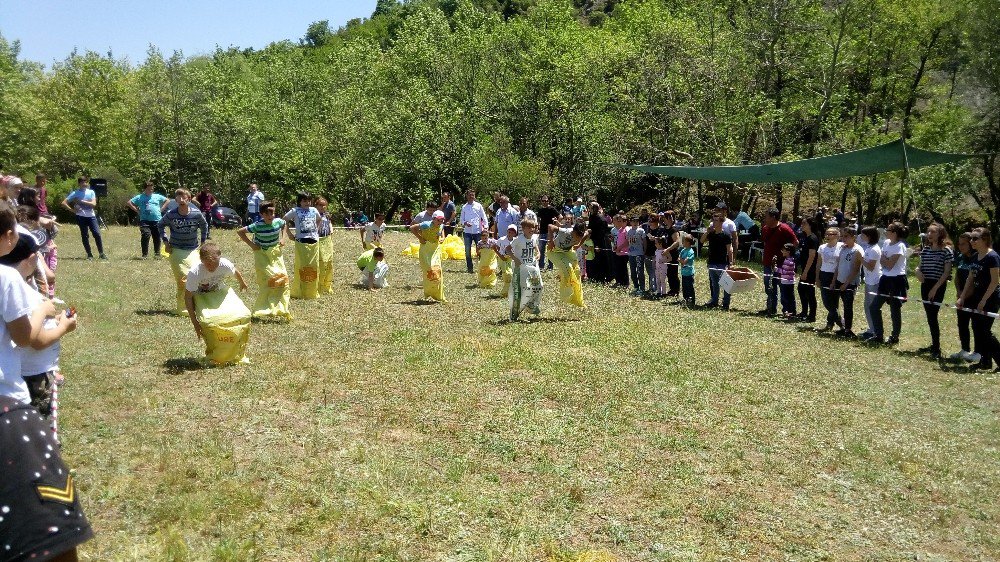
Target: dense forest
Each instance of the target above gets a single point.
(533, 96)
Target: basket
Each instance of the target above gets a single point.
(738, 280)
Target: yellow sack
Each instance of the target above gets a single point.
(430, 265)
(413, 250)
(272, 285)
(567, 267)
(453, 248)
(225, 325)
(305, 283)
(487, 268)
(504, 273)
(325, 280)
(181, 262)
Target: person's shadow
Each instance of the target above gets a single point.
(180, 365)
(155, 312)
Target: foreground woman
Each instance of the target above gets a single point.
(216, 311)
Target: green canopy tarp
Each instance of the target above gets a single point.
(889, 157)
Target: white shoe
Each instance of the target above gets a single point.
(959, 355)
(973, 357)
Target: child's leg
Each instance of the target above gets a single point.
(51, 260)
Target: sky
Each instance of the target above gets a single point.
(50, 29)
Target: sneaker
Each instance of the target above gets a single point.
(973, 357)
(849, 335)
(865, 335)
(982, 366)
(959, 355)
(892, 340)
(104, 257)
(90, 258)
(826, 328)
(935, 354)
(874, 340)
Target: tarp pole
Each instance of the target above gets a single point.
(906, 169)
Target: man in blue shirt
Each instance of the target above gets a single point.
(507, 215)
(150, 206)
(254, 199)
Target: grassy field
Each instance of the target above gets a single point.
(377, 427)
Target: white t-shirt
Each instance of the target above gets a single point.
(380, 274)
(305, 221)
(502, 245)
(38, 361)
(897, 249)
(14, 302)
(728, 226)
(201, 280)
(828, 257)
(872, 253)
(373, 232)
(526, 249)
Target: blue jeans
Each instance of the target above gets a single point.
(687, 288)
(253, 217)
(88, 225)
(542, 243)
(715, 271)
(650, 263)
(638, 270)
(771, 282)
(469, 239)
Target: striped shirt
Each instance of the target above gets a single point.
(184, 228)
(932, 262)
(266, 235)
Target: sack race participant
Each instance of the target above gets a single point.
(505, 269)
(216, 311)
(273, 292)
(371, 233)
(564, 240)
(374, 270)
(325, 247)
(430, 234)
(305, 218)
(188, 229)
(526, 282)
(487, 272)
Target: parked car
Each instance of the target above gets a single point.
(225, 217)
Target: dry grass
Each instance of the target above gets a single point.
(372, 428)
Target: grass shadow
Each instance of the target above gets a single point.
(180, 365)
(420, 302)
(156, 312)
(269, 320)
(532, 320)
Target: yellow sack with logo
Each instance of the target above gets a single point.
(273, 292)
(305, 282)
(181, 262)
(567, 267)
(325, 281)
(504, 274)
(225, 325)
(487, 268)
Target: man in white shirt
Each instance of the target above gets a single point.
(729, 227)
(474, 223)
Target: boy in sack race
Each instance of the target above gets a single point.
(217, 313)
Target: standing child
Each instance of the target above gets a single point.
(662, 261)
(324, 246)
(487, 272)
(216, 311)
(305, 218)
(188, 229)
(273, 293)
(636, 236)
(872, 272)
(846, 279)
(786, 271)
(563, 241)
(686, 258)
(526, 283)
(430, 233)
(504, 261)
(375, 275)
(371, 234)
(829, 253)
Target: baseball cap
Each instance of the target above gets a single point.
(512, 227)
(438, 215)
(27, 244)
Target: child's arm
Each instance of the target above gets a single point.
(415, 230)
(161, 231)
(362, 233)
(203, 225)
(66, 203)
(551, 243)
(24, 330)
(88, 202)
(189, 304)
(48, 337)
(239, 277)
(242, 232)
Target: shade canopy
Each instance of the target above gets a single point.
(889, 157)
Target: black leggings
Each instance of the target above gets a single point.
(932, 310)
(987, 345)
(847, 297)
(831, 300)
(964, 320)
(807, 295)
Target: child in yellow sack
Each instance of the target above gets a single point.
(217, 313)
(324, 247)
(273, 292)
(375, 273)
(487, 262)
(305, 218)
